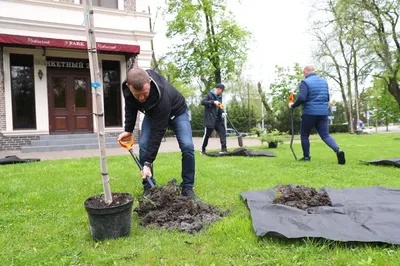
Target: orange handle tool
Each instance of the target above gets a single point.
(127, 143)
(291, 97)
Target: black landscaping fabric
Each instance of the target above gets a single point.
(359, 214)
(387, 162)
(242, 152)
(14, 159)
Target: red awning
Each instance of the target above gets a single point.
(49, 42)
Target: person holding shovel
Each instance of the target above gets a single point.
(163, 105)
(314, 96)
(213, 114)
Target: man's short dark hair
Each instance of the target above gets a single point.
(220, 86)
(137, 77)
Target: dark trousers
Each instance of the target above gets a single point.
(183, 131)
(220, 128)
(321, 124)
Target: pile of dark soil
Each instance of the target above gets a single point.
(301, 197)
(165, 208)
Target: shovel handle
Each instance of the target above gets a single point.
(126, 142)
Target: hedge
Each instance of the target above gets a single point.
(335, 128)
(195, 133)
(338, 128)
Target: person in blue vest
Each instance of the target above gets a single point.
(213, 117)
(314, 96)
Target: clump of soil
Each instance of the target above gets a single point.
(301, 197)
(98, 201)
(166, 208)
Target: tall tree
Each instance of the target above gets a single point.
(213, 47)
(379, 22)
(340, 48)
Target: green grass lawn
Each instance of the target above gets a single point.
(43, 221)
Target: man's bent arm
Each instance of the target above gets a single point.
(302, 95)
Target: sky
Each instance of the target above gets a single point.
(279, 34)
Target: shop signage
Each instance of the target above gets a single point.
(55, 62)
(72, 44)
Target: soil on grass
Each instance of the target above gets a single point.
(165, 208)
(242, 152)
(301, 197)
(98, 202)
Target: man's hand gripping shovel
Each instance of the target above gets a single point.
(127, 143)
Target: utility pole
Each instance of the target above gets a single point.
(96, 94)
(248, 96)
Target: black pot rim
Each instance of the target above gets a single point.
(109, 210)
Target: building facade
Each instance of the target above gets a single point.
(44, 67)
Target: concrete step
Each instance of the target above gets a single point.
(69, 136)
(73, 141)
(68, 147)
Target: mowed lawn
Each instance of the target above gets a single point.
(43, 221)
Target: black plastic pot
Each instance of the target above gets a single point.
(110, 222)
(272, 144)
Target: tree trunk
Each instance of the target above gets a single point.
(95, 77)
(350, 98)
(394, 89)
(355, 73)
(153, 54)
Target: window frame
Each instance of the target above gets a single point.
(120, 4)
(118, 84)
(13, 101)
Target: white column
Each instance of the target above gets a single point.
(7, 90)
(41, 94)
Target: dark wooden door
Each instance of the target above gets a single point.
(70, 102)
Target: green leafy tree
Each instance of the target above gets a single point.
(239, 116)
(212, 47)
(174, 76)
(197, 115)
(384, 107)
(287, 80)
(340, 114)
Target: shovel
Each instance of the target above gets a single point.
(127, 143)
(240, 139)
(291, 100)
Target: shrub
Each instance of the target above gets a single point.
(273, 136)
(256, 131)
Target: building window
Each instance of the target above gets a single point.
(23, 91)
(112, 93)
(105, 3)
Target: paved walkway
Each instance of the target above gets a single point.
(170, 145)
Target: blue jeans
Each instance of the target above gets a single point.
(321, 124)
(183, 132)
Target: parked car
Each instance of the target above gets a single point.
(232, 132)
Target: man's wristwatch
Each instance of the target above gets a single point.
(147, 164)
